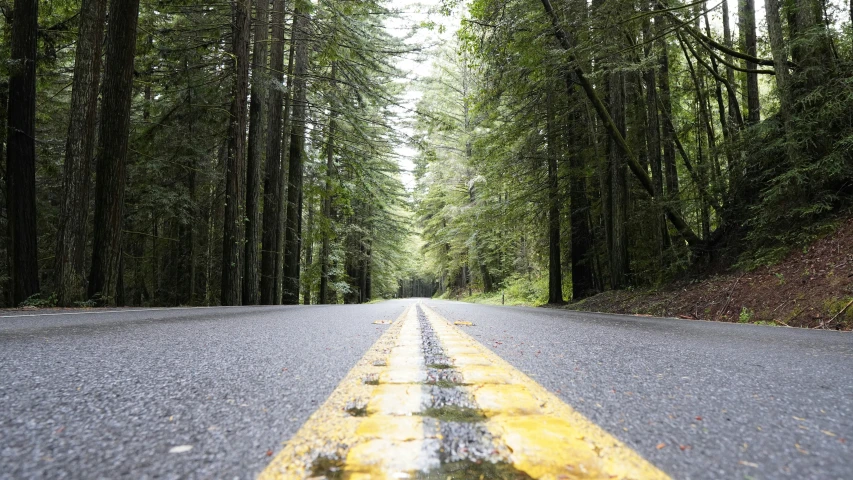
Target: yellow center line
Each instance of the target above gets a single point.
(372, 425)
(547, 438)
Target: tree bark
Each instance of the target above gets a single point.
(653, 137)
(5, 243)
(309, 251)
(746, 17)
(735, 117)
(583, 275)
(555, 276)
(251, 276)
(290, 294)
(325, 249)
(272, 176)
(113, 140)
(668, 135)
(780, 56)
(69, 268)
(618, 187)
(287, 127)
(21, 152)
(235, 169)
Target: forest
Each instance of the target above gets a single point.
(176, 152)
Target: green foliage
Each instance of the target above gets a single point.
(802, 176)
(39, 301)
(745, 315)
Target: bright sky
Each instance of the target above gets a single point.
(416, 13)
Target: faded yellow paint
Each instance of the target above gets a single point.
(476, 374)
(503, 399)
(330, 430)
(395, 400)
(403, 375)
(547, 438)
(532, 429)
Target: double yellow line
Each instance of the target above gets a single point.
(372, 425)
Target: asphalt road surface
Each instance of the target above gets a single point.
(111, 394)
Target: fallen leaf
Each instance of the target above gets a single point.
(827, 432)
(684, 447)
(660, 445)
(269, 453)
(463, 323)
(699, 419)
(801, 449)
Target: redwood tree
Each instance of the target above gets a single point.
(292, 233)
(21, 152)
(111, 168)
(235, 168)
(69, 270)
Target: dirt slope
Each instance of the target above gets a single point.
(807, 289)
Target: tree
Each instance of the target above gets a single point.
(257, 106)
(111, 167)
(746, 14)
(273, 191)
(293, 230)
(69, 266)
(235, 174)
(21, 152)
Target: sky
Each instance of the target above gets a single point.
(416, 65)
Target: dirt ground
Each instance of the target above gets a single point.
(810, 288)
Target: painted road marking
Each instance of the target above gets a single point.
(547, 438)
(419, 397)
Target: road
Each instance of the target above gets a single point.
(111, 394)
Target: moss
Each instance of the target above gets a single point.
(328, 468)
(440, 366)
(453, 413)
(444, 383)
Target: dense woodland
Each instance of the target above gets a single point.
(569, 147)
(176, 152)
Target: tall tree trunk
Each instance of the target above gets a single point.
(325, 249)
(186, 229)
(272, 177)
(309, 251)
(5, 260)
(21, 152)
(300, 35)
(653, 139)
(746, 16)
(287, 127)
(735, 117)
(69, 268)
(255, 155)
(555, 274)
(235, 169)
(779, 50)
(583, 278)
(618, 187)
(668, 132)
(367, 283)
(113, 139)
